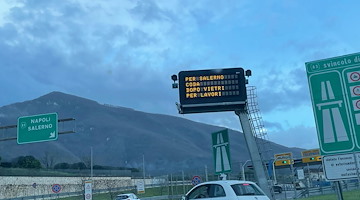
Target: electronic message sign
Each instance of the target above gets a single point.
(212, 90)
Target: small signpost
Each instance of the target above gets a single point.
(300, 174)
(88, 190)
(140, 187)
(221, 152)
(37, 128)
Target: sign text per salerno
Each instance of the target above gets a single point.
(212, 88)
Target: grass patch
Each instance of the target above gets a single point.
(348, 195)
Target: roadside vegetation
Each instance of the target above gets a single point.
(348, 195)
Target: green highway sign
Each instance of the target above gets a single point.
(221, 152)
(335, 92)
(37, 128)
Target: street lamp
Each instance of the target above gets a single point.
(243, 169)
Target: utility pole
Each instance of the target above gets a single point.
(143, 158)
(206, 173)
(91, 163)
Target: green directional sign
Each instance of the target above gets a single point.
(37, 128)
(335, 92)
(221, 152)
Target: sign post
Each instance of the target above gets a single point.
(140, 186)
(221, 152)
(88, 190)
(37, 128)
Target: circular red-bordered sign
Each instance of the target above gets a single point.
(356, 90)
(56, 188)
(357, 104)
(355, 76)
(196, 180)
(88, 196)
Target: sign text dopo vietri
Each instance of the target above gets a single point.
(212, 90)
(335, 92)
(37, 128)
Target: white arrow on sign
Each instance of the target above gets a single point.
(52, 134)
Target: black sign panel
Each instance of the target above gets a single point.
(212, 90)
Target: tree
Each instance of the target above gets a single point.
(48, 160)
(78, 165)
(6, 164)
(28, 162)
(62, 166)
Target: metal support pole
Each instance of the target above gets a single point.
(172, 188)
(293, 177)
(339, 190)
(274, 173)
(254, 152)
(183, 182)
(206, 173)
(143, 158)
(357, 167)
(91, 163)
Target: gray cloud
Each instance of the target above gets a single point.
(279, 90)
(296, 136)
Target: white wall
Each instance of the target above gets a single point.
(17, 186)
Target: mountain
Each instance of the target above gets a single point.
(119, 136)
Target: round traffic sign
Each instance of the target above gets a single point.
(357, 104)
(88, 196)
(196, 180)
(356, 90)
(355, 76)
(56, 188)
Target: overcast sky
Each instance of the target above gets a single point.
(124, 52)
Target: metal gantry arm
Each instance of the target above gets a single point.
(15, 126)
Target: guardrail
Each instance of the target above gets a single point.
(326, 190)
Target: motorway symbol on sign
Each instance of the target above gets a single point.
(221, 152)
(335, 91)
(37, 128)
